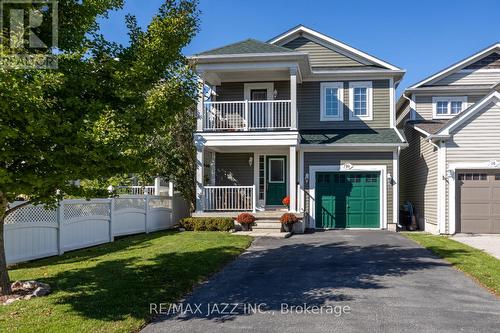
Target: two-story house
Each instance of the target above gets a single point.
(451, 169)
(302, 115)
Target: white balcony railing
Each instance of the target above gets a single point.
(229, 198)
(246, 115)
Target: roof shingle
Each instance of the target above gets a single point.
(354, 136)
(247, 46)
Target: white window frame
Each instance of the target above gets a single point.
(340, 95)
(369, 103)
(447, 99)
(248, 87)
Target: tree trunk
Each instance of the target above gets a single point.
(4, 274)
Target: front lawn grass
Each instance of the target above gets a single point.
(481, 266)
(109, 288)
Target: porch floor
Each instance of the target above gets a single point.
(258, 214)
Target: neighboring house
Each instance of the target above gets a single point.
(302, 115)
(451, 169)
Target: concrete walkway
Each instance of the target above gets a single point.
(335, 281)
(488, 243)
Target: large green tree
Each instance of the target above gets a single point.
(97, 115)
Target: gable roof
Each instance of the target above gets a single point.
(459, 65)
(302, 30)
(247, 46)
(494, 96)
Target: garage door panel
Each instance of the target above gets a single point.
(372, 206)
(351, 200)
(478, 202)
(476, 209)
(475, 194)
(496, 226)
(371, 219)
(476, 226)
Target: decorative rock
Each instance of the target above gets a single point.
(16, 285)
(41, 292)
(10, 301)
(30, 285)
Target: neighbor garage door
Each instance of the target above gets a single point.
(347, 200)
(478, 202)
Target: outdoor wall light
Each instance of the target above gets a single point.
(275, 93)
(450, 174)
(250, 161)
(389, 179)
(306, 177)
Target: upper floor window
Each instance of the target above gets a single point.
(448, 107)
(332, 101)
(360, 101)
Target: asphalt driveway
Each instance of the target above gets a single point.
(348, 281)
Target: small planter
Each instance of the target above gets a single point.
(288, 220)
(288, 227)
(245, 220)
(246, 227)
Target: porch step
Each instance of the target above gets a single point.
(267, 224)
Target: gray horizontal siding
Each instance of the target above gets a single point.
(424, 108)
(235, 91)
(308, 106)
(233, 169)
(363, 158)
(321, 56)
(418, 174)
(478, 139)
(469, 78)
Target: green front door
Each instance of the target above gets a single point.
(275, 180)
(347, 200)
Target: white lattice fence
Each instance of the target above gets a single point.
(33, 232)
(129, 215)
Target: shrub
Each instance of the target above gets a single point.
(288, 218)
(207, 223)
(286, 201)
(245, 218)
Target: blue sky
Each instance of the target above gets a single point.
(422, 37)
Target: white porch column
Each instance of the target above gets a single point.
(170, 188)
(293, 178)
(199, 178)
(293, 97)
(199, 108)
(157, 185)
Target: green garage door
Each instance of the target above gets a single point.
(347, 200)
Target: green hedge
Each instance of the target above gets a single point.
(207, 223)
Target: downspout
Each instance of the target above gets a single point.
(412, 105)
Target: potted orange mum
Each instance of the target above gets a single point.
(288, 220)
(246, 220)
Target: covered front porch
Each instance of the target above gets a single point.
(253, 179)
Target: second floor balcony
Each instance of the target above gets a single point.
(247, 115)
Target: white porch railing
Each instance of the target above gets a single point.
(247, 115)
(229, 198)
(134, 190)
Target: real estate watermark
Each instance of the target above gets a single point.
(234, 309)
(28, 33)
